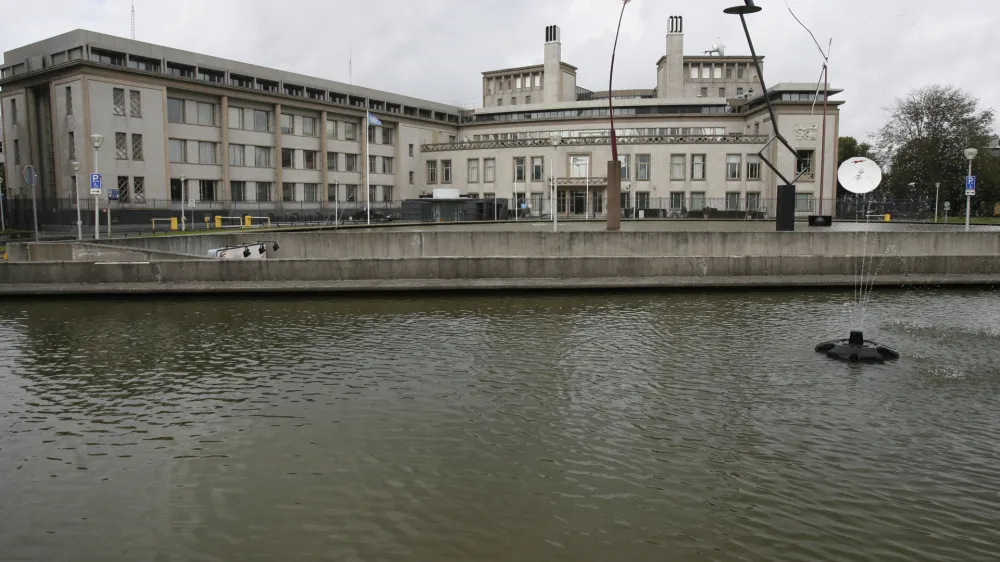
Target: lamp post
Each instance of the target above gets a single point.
(614, 189)
(183, 220)
(970, 154)
(96, 140)
(937, 196)
(555, 138)
(76, 184)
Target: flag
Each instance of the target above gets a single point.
(372, 120)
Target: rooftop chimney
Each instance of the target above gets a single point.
(552, 78)
(670, 72)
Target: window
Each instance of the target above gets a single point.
(17, 152)
(287, 158)
(642, 167)
(733, 165)
(739, 73)
(489, 169)
(263, 191)
(704, 92)
(717, 72)
(676, 200)
(500, 101)
(206, 153)
(236, 118)
(139, 189)
(694, 72)
(372, 192)
(387, 193)
(181, 70)
(411, 174)
(72, 146)
(803, 202)
(178, 150)
(432, 171)
(136, 147)
(641, 199)
(537, 168)
(121, 146)
(175, 110)
(371, 134)
(206, 114)
(176, 189)
(753, 167)
(351, 131)
(517, 83)
(697, 200)
(310, 192)
(677, 167)
(237, 155)
(579, 166)
(331, 129)
(411, 151)
(261, 121)
(803, 164)
(288, 191)
(729, 73)
(206, 190)
(310, 159)
(518, 169)
(211, 75)
(538, 80)
(446, 171)
(739, 92)
(732, 200)
(513, 100)
(697, 168)
(332, 161)
(387, 163)
(722, 92)
(624, 161)
(287, 124)
(309, 127)
(753, 201)
(527, 99)
(13, 112)
(118, 99)
(262, 156)
(332, 192)
(351, 163)
(473, 171)
(387, 136)
(372, 161)
(352, 193)
(69, 100)
(123, 189)
(238, 191)
(135, 103)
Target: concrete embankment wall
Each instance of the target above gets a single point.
(396, 244)
(86, 251)
(497, 268)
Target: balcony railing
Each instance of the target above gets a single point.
(582, 182)
(597, 140)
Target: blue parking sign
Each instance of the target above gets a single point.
(970, 185)
(95, 184)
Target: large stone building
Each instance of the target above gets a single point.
(243, 136)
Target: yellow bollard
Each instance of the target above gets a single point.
(887, 217)
(247, 221)
(218, 221)
(173, 223)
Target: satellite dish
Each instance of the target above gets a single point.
(859, 175)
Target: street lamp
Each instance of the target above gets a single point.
(937, 196)
(183, 223)
(97, 140)
(970, 154)
(76, 184)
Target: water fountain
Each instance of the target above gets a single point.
(859, 176)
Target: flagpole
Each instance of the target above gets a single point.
(368, 190)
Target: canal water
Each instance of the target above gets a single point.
(584, 427)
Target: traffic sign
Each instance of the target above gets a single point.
(30, 175)
(95, 184)
(191, 203)
(970, 185)
(113, 194)
(947, 205)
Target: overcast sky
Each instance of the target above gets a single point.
(437, 49)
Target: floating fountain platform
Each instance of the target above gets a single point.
(856, 349)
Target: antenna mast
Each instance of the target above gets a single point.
(133, 19)
(350, 65)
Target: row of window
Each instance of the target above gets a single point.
(737, 168)
(241, 191)
(587, 133)
(255, 156)
(514, 83)
(118, 102)
(707, 72)
(603, 112)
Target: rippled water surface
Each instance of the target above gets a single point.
(586, 427)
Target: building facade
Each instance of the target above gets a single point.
(181, 126)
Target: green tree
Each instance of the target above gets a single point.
(924, 141)
(847, 148)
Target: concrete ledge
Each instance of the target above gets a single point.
(438, 285)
